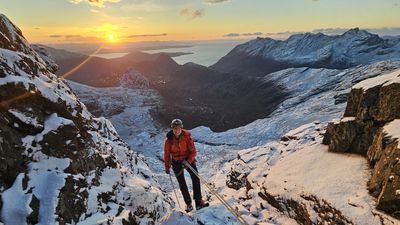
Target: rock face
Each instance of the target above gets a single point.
(384, 157)
(369, 127)
(59, 164)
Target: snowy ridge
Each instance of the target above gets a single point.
(384, 80)
(62, 165)
(340, 51)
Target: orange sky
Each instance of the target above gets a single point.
(117, 21)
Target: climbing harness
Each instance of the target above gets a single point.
(233, 211)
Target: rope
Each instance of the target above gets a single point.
(176, 196)
(233, 211)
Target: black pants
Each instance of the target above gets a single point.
(178, 168)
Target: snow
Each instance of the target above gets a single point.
(393, 130)
(10, 27)
(347, 119)
(46, 84)
(338, 178)
(15, 203)
(45, 179)
(177, 218)
(386, 79)
(52, 123)
(351, 48)
(31, 120)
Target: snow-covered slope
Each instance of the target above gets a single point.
(59, 164)
(296, 180)
(354, 47)
(316, 94)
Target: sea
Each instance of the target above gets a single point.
(204, 53)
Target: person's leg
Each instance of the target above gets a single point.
(195, 182)
(178, 170)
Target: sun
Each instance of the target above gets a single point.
(111, 37)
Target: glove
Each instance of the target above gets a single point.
(167, 171)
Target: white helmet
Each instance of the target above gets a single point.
(176, 123)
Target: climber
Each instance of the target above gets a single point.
(179, 147)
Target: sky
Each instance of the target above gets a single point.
(91, 21)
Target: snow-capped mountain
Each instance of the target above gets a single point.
(265, 55)
(59, 164)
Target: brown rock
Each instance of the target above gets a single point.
(384, 157)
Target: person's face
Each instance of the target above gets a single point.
(177, 131)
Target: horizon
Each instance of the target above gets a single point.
(118, 22)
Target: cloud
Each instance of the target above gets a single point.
(75, 38)
(212, 2)
(146, 35)
(36, 28)
(232, 35)
(143, 6)
(191, 12)
(72, 36)
(56, 36)
(252, 34)
(243, 34)
(97, 3)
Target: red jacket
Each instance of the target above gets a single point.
(181, 148)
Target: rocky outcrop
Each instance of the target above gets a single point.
(370, 119)
(299, 210)
(58, 162)
(350, 135)
(384, 157)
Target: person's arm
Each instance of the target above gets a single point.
(167, 152)
(192, 149)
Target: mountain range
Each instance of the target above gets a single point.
(262, 56)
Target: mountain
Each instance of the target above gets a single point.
(59, 164)
(265, 55)
(201, 96)
(195, 93)
(101, 72)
